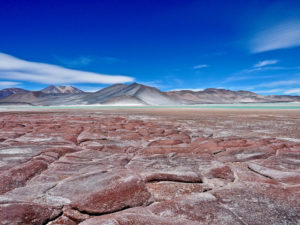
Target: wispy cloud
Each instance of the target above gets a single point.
(261, 66)
(90, 88)
(79, 61)
(270, 91)
(284, 35)
(155, 83)
(85, 60)
(280, 83)
(21, 70)
(238, 77)
(109, 60)
(7, 84)
(187, 89)
(293, 91)
(200, 66)
(265, 63)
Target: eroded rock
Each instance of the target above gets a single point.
(90, 168)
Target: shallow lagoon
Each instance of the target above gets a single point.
(293, 105)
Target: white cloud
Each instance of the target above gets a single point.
(284, 35)
(21, 70)
(265, 63)
(200, 66)
(8, 84)
(293, 91)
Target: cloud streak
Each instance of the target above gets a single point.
(200, 66)
(21, 70)
(6, 84)
(265, 63)
(293, 91)
(188, 89)
(284, 35)
(280, 83)
(80, 61)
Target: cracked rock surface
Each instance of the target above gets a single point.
(94, 168)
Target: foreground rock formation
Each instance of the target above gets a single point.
(89, 168)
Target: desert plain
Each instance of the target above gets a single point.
(150, 166)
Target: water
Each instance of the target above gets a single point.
(275, 106)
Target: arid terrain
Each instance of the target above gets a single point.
(150, 167)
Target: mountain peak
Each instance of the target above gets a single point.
(52, 89)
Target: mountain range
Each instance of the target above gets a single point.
(132, 94)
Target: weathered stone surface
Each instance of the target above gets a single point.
(99, 168)
(261, 204)
(102, 192)
(168, 190)
(202, 208)
(137, 215)
(19, 175)
(26, 213)
(63, 220)
(287, 177)
(163, 168)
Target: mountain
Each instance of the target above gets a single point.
(10, 91)
(214, 95)
(44, 99)
(145, 94)
(284, 98)
(61, 90)
(138, 94)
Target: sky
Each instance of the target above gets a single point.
(172, 45)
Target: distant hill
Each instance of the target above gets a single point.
(136, 94)
(61, 90)
(10, 91)
(213, 95)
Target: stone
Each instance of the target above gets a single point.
(26, 213)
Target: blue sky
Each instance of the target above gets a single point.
(188, 44)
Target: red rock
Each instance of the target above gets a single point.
(166, 168)
(130, 218)
(26, 213)
(287, 177)
(204, 145)
(229, 143)
(81, 162)
(245, 154)
(261, 203)
(62, 220)
(74, 215)
(165, 150)
(202, 208)
(167, 190)
(139, 216)
(243, 174)
(54, 172)
(165, 142)
(223, 172)
(19, 175)
(92, 134)
(103, 192)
